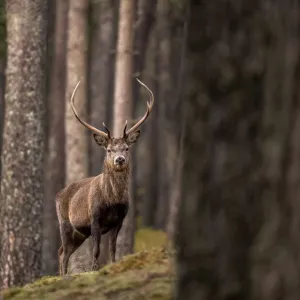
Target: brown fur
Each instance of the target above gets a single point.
(95, 205)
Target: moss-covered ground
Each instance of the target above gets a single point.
(147, 274)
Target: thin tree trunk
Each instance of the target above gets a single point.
(22, 157)
(101, 79)
(123, 109)
(143, 26)
(101, 73)
(166, 134)
(55, 163)
(76, 147)
(175, 192)
(151, 161)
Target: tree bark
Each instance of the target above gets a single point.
(76, 147)
(2, 105)
(101, 73)
(151, 153)
(23, 143)
(123, 109)
(175, 192)
(101, 84)
(166, 133)
(55, 162)
(143, 26)
(241, 153)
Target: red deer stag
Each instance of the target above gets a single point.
(97, 205)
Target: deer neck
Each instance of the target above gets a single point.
(114, 183)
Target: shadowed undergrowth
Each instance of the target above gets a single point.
(147, 274)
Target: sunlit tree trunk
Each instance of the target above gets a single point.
(76, 147)
(55, 162)
(123, 108)
(23, 142)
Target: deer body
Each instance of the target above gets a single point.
(97, 205)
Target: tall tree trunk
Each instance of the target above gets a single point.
(55, 163)
(123, 108)
(166, 133)
(175, 186)
(241, 154)
(101, 73)
(100, 81)
(2, 105)
(151, 153)
(76, 147)
(23, 143)
(143, 26)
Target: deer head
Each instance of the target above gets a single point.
(117, 149)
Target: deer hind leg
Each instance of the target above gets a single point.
(60, 252)
(113, 235)
(71, 241)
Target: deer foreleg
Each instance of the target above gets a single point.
(96, 239)
(113, 241)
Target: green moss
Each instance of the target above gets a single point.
(147, 238)
(144, 275)
(140, 260)
(147, 274)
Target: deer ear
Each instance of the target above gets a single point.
(101, 140)
(133, 137)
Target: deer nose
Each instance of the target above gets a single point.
(119, 160)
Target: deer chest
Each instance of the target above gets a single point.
(111, 215)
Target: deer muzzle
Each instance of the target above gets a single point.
(119, 160)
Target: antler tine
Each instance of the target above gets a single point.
(149, 108)
(97, 131)
(108, 132)
(124, 131)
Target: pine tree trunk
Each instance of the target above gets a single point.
(166, 133)
(101, 79)
(101, 73)
(2, 105)
(76, 147)
(123, 109)
(55, 162)
(144, 23)
(23, 142)
(175, 185)
(151, 153)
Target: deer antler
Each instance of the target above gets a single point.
(95, 130)
(144, 118)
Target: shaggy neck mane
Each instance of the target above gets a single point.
(114, 183)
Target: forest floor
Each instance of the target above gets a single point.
(146, 274)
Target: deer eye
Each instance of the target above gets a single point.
(108, 150)
(127, 149)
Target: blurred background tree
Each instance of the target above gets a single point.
(239, 221)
